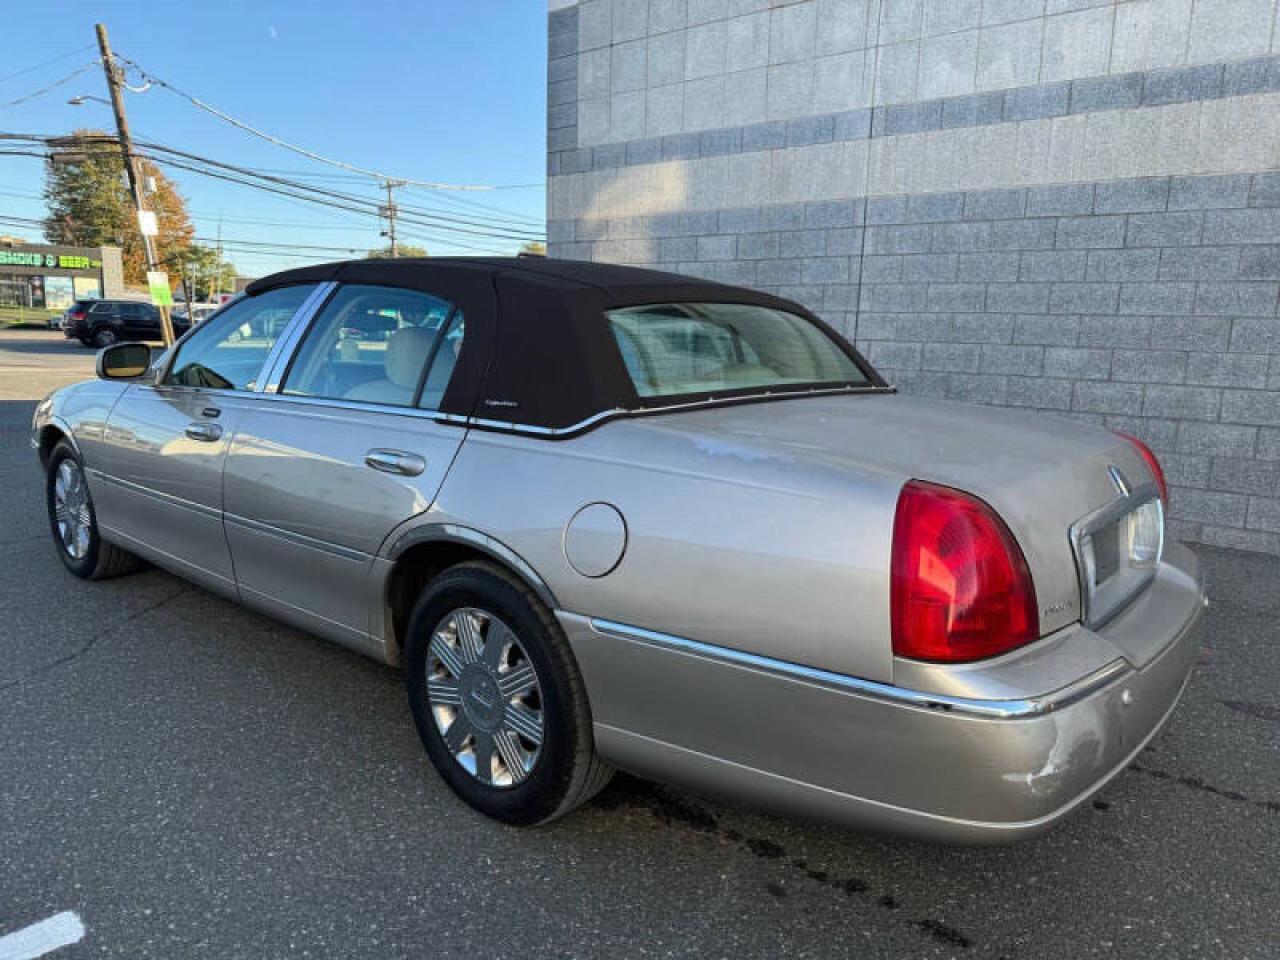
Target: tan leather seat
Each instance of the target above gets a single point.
(407, 350)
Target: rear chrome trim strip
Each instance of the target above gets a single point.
(990, 709)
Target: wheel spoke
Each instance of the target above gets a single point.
(497, 639)
(447, 654)
(456, 736)
(484, 756)
(60, 484)
(517, 681)
(470, 644)
(444, 692)
(523, 721)
(512, 756)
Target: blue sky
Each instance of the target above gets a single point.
(436, 90)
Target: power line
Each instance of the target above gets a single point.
(301, 191)
(303, 151)
(46, 63)
(43, 90)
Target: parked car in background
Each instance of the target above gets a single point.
(198, 313)
(609, 517)
(100, 323)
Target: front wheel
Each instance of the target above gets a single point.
(74, 524)
(497, 698)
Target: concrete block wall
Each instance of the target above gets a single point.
(1066, 206)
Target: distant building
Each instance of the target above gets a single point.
(40, 275)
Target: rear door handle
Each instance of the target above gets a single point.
(208, 432)
(395, 461)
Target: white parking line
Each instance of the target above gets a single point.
(60, 930)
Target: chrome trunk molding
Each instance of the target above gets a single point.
(989, 709)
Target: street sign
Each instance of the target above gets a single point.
(158, 283)
(147, 223)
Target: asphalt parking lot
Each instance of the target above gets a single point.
(192, 779)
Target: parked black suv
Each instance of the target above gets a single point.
(100, 323)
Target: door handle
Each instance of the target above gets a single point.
(208, 432)
(395, 461)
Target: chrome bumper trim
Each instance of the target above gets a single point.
(990, 709)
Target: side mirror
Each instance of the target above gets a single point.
(124, 361)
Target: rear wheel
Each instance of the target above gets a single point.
(74, 524)
(498, 699)
(104, 337)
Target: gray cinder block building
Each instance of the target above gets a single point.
(1070, 206)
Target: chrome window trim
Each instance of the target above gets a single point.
(283, 349)
(1087, 525)
(1021, 708)
(362, 405)
(171, 354)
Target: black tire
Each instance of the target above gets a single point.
(567, 772)
(101, 560)
(104, 337)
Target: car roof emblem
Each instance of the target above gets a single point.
(1122, 485)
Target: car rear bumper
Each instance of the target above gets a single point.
(941, 767)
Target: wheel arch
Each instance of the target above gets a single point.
(422, 553)
(50, 434)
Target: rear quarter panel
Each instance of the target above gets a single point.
(724, 545)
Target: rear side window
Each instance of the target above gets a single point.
(374, 344)
(679, 349)
(228, 352)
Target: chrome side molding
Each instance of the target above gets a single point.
(990, 709)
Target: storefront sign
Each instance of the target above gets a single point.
(21, 258)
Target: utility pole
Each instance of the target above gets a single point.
(389, 211)
(130, 169)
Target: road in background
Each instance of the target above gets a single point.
(192, 779)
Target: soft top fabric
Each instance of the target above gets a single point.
(538, 351)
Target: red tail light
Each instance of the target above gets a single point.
(1153, 464)
(960, 588)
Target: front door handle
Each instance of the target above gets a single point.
(208, 432)
(395, 461)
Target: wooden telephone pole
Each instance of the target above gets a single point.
(130, 168)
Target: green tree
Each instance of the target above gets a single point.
(89, 205)
(201, 266)
(402, 250)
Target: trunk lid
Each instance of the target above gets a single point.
(1041, 474)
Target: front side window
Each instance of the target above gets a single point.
(228, 352)
(676, 349)
(379, 345)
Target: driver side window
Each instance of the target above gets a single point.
(228, 351)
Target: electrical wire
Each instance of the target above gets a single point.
(303, 151)
(43, 90)
(58, 59)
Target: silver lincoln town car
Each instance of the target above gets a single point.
(607, 517)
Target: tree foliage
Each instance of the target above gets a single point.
(402, 250)
(89, 204)
(206, 273)
(534, 248)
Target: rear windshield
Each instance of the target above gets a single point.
(674, 349)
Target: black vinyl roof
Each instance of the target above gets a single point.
(538, 352)
(605, 276)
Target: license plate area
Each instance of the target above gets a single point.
(1117, 551)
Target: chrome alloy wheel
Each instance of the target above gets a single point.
(71, 508)
(484, 697)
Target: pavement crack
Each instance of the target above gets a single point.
(673, 810)
(1195, 783)
(89, 644)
